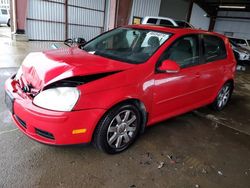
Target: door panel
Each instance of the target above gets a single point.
(174, 93)
(213, 67)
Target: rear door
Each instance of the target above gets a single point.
(214, 59)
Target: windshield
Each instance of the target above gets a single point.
(127, 44)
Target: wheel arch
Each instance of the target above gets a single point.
(137, 103)
(231, 81)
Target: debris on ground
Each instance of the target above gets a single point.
(216, 125)
(204, 171)
(220, 173)
(247, 172)
(131, 158)
(146, 159)
(197, 186)
(172, 159)
(117, 164)
(161, 165)
(132, 186)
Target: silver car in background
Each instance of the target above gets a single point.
(244, 43)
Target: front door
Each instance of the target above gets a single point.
(173, 92)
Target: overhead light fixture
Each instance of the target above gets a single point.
(232, 7)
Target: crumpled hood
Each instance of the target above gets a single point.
(43, 68)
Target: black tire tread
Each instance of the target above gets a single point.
(100, 133)
(214, 105)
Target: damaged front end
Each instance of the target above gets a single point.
(60, 95)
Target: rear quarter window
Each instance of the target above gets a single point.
(152, 21)
(214, 48)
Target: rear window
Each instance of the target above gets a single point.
(166, 23)
(214, 48)
(152, 21)
(4, 11)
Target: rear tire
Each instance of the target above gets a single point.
(223, 97)
(118, 129)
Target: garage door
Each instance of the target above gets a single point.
(61, 19)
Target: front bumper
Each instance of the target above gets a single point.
(52, 127)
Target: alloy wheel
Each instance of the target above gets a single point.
(122, 129)
(224, 96)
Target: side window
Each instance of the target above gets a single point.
(4, 11)
(184, 51)
(166, 23)
(152, 21)
(214, 48)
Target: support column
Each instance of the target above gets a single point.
(212, 21)
(123, 12)
(66, 18)
(190, 8)
(19, 14)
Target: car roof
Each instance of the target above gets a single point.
(173, 29)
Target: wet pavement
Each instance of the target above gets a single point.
(198, 149)
(12, 53)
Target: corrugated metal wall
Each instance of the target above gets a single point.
(46, 19)
(45, 12)
(86, 18)
(239, 27)
(142, 8)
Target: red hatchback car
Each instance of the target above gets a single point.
(108, 90)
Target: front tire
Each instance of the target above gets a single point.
(118, 129)
(223, 97)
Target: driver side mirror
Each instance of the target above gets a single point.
(169, 66)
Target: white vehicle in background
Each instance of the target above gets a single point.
(241, 54)
(165, 21)
(242, 42)
(4, 16)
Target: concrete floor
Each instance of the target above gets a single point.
(208, 149)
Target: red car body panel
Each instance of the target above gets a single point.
(163, 95)
(65, 63)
